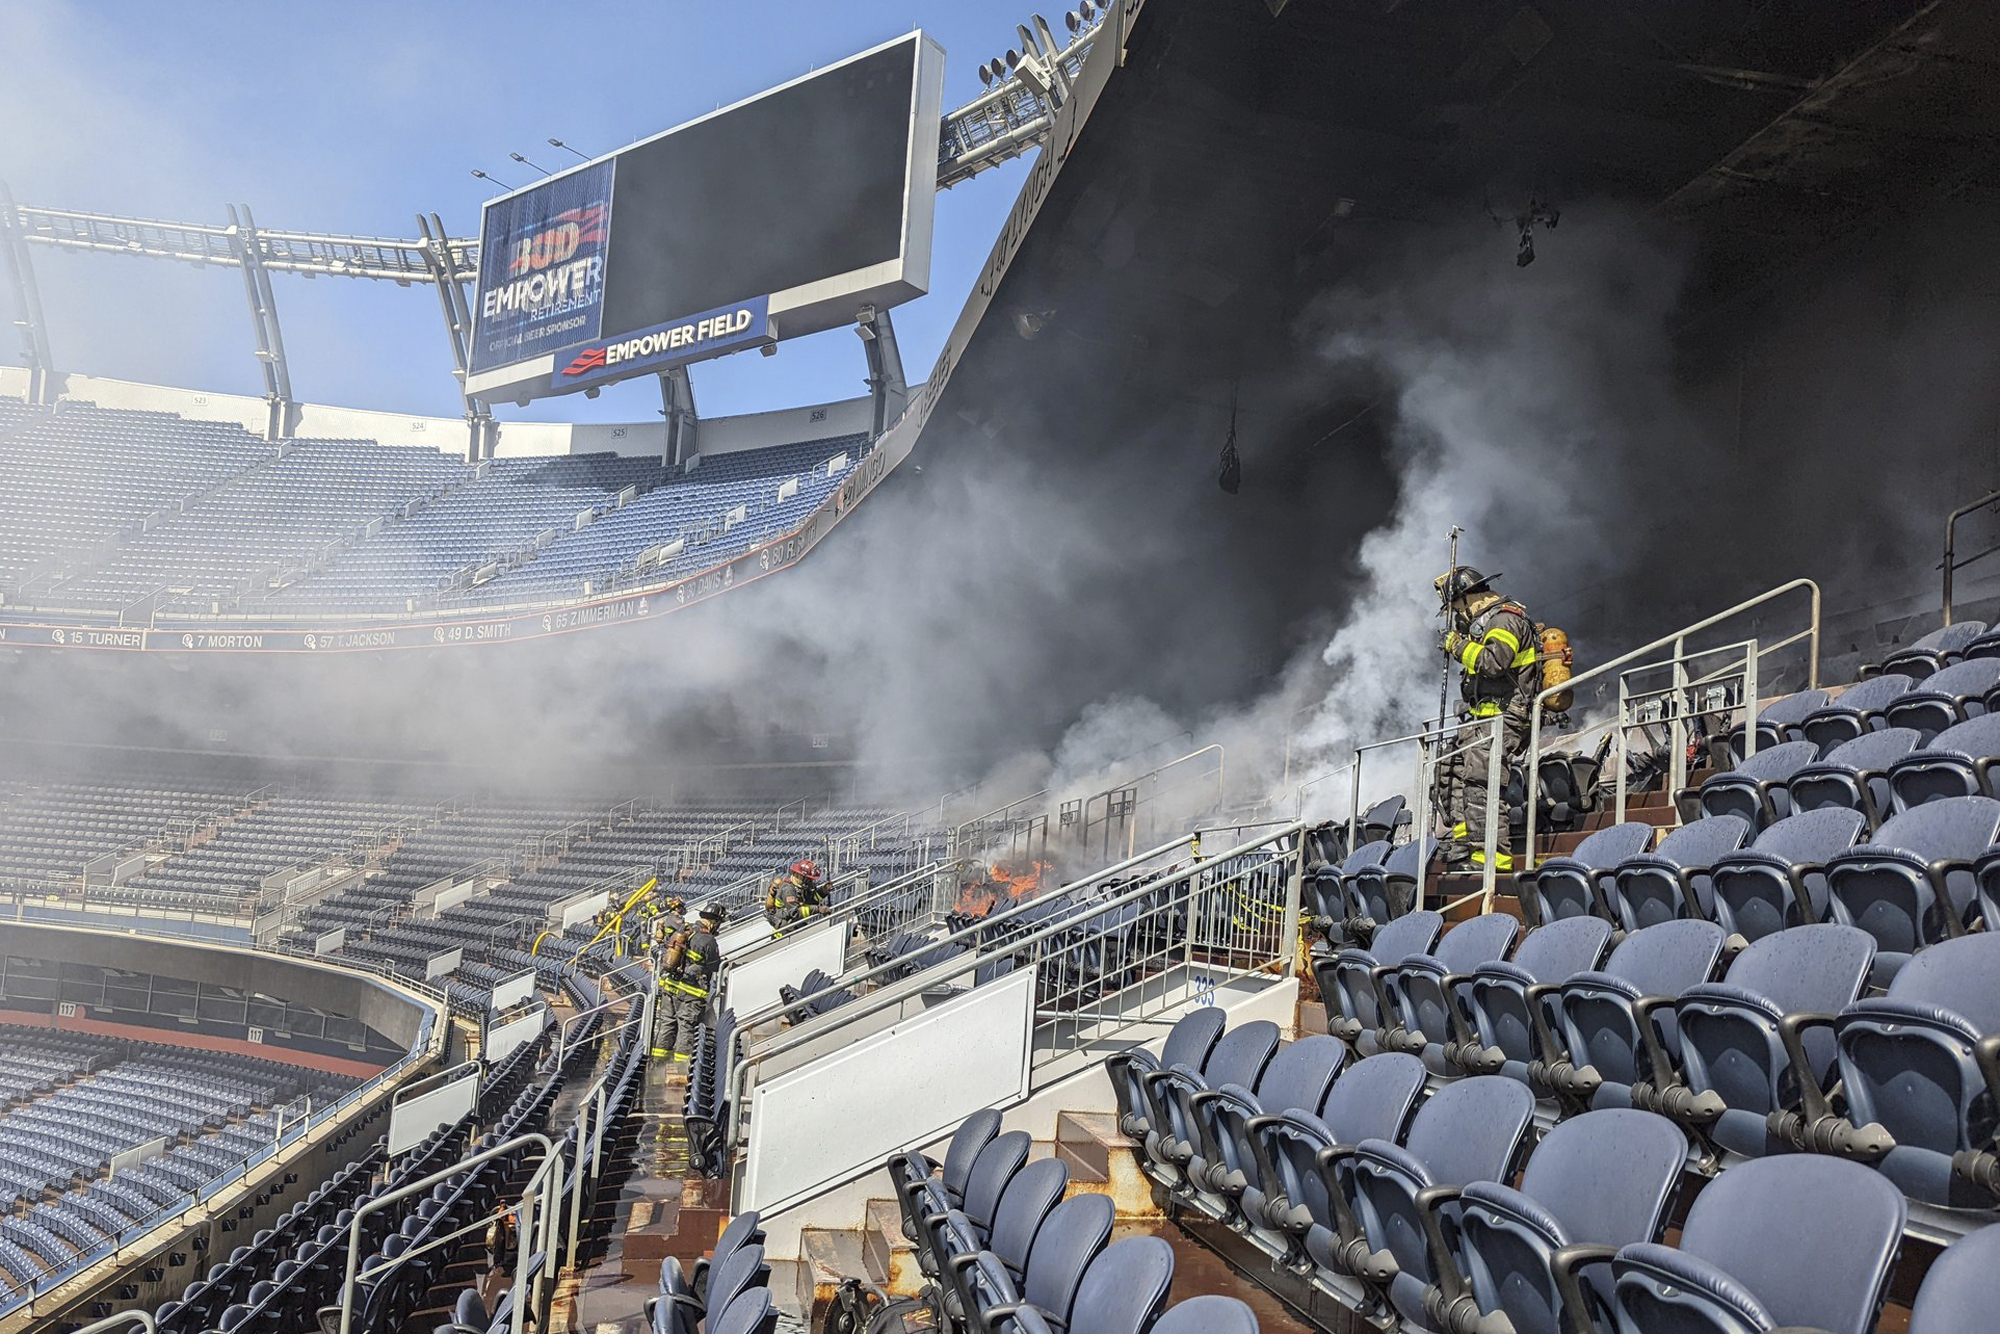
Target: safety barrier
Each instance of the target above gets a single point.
(1039, 987)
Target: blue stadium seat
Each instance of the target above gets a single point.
(1347, 979)
(1854, 712)
(1735, 1064)
(1420, 992)
(1854, 774)
(1190, 1041)
(1298, 1078)
(1755, 788)
(1780, 880)
(1956, 762)
(1672, 881)
(1912, 885)
(1951, 697)
(1609, 1017)
(1075, 1233)
(1239, 1058)
(1962, 1289)
(1502, 997)
(1780, 721)
(1936, 651)
(1788, 1241)
(1602, 1180)
(1578, 885)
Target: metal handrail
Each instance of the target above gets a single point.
(1132, 785)
(1677, 641)
(904, 988)
(1951, 562)
(992, 919)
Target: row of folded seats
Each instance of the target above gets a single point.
(1445, 1212)
(705, 1110)
(276, 1282)
(728, 1293)
(1778, 1047)
(1004, 1252)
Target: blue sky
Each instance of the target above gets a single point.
(353, 117)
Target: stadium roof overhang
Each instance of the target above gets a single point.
(1244, 161)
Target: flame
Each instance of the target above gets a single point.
(1013, 885)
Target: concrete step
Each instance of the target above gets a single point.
(826, 1257)
(891, 1256)
(1101, 1162)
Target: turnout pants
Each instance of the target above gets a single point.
(1460, 787)
(688, 1014)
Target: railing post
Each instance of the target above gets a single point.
(1422, 820)
(1678, 733)
(1495, 773)
(1534, 764)
(1295, 889)
(1618, 745)
(1750, 701)
(1354, 803)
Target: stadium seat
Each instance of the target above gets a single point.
(1239, 1058)
(1672, 881)
(1755, 788)
(1188, 1043)
(1780, 721)
(992, 1170)
(1962, 1289)
(1577, 885)
(1735, 1062)
(1791, 1241)
(1601, 1042)
(1919, 1089)
(1936, 651)
(1419, 992)
(1854, 712)
(1951, 697)
(1382, 893)
(1854, 774)
(1957, 762)
(1472, 1130)
(1779, 880)
(1327, 890)
(1025, 1204)
(1072, 1236)
(1912, 885)
(1380, 822)
(1372, 1099)
(1347, 978)
(751, 1313)
(1297, 1079)
(1210, 1314)
(912, 1171)
(1498, 1028)
(1602, 1180)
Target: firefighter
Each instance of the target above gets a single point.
(794, 895)
(1493, 640)
(687, 975)
(668, 917)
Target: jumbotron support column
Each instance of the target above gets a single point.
(886, 385)
(482, 433)
(683, 425)
(27, 302)
(283, 413)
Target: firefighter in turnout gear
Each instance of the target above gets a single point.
(687, 975)
(794, 895)
(1493, 641)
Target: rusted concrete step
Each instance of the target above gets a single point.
(1101, 1162)
(891, 1256)
(826, 1257)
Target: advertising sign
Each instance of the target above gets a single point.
(541, 266)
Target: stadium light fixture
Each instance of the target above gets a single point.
(495, 179)
(567, 148)
(986, 76)
(524, 162)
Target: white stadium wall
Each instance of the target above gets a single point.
(717, 435)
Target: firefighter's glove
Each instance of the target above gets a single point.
(1453, 643)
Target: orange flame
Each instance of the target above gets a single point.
(1013, 885)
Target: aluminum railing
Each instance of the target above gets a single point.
(1951, 564)
(1678, 657)
(1098, 958)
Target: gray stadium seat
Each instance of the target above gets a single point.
(1604, 1015)
(1755, 788)
(1854, 712)
(1298, 1078)
(1956, 762)
(1962, 1289)
(1952, 696)
(1189, 1042)
(1420, 992)
(1347, 978)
